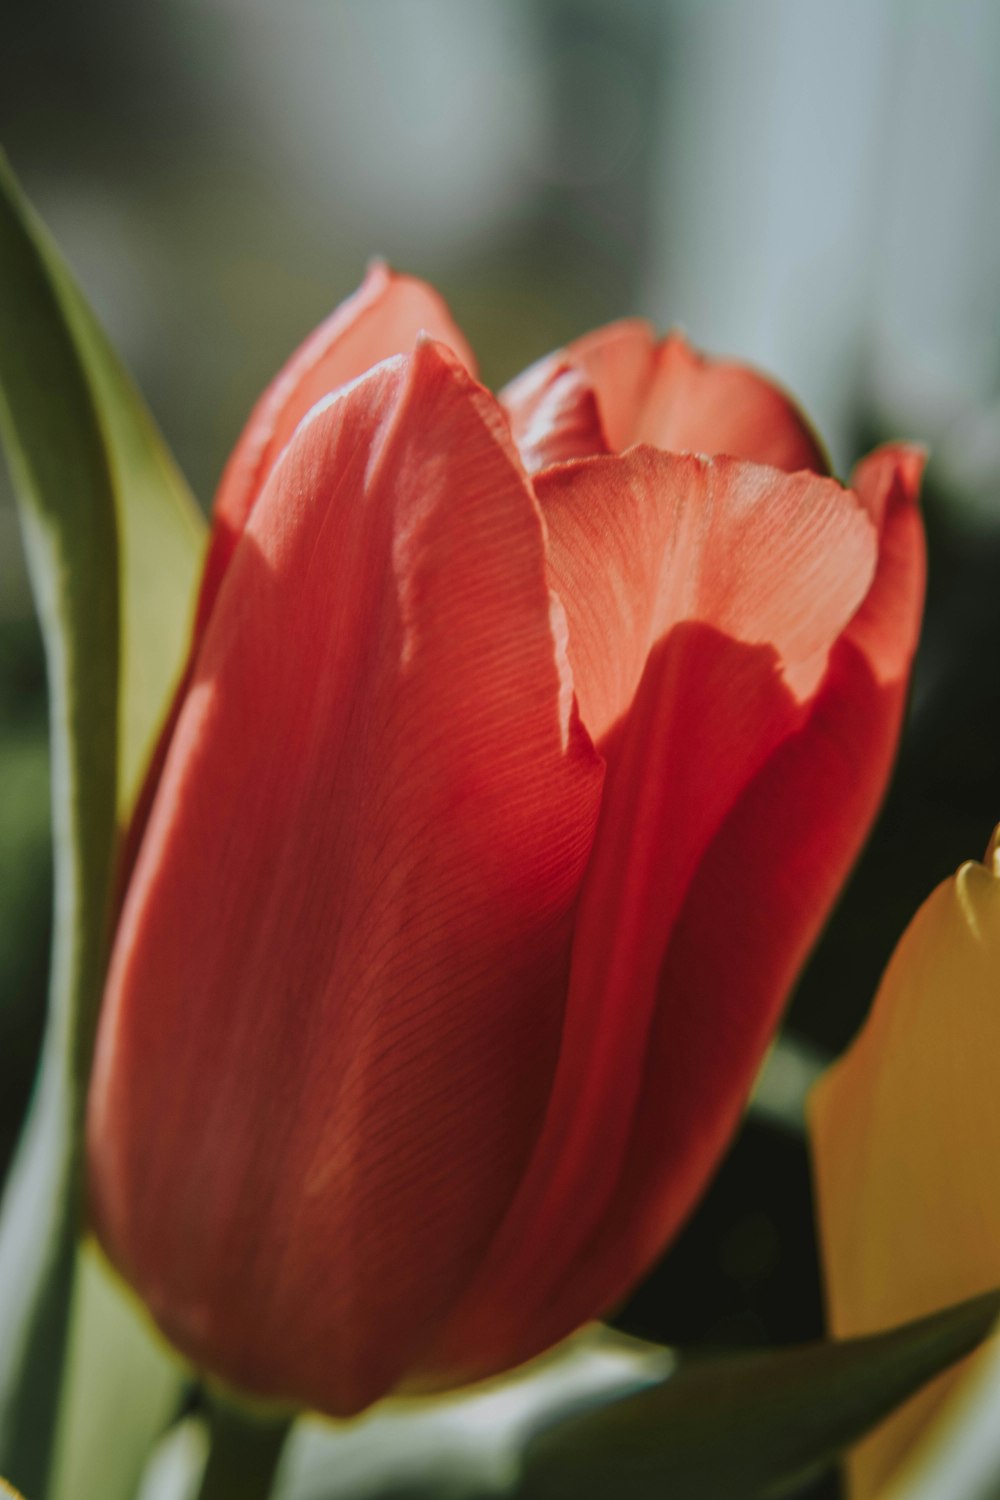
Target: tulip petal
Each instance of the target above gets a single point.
(645, 541)
(665, 394)
(553, 414)
(699, 405)
(736, 582)
(336, 993)
(618, 361)
(382, 318)
(906, 1134)
(838, 759)
(758, 901)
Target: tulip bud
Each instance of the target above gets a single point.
(521, 753)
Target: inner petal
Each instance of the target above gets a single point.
(641, 541)
(693, 404)
(553, 414)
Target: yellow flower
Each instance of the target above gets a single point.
(906, 1142)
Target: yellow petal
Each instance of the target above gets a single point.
(906, 1145)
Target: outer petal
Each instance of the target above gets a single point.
(699, 405)
(382, 318)
(906, 1137)
(742, 580)
(336, 992)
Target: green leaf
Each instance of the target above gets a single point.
(958, 1452)
(113, 547)
(122, 1389)
(244, 1449)
(468, 1443)
(748, 1426)
(605, 1415)
(62, 477)
(162, 537)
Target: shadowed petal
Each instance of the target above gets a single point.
(336, 994)
(703, 600)
(757, 903)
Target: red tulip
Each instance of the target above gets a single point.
(522, 752)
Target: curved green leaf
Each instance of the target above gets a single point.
(747, 1426)
(63, 482)
(605, 1415)
(467, 1443)
(958, 1452)
(122, 1389)
(162, 538)
(113, 547)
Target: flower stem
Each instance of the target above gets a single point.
(244, 1450)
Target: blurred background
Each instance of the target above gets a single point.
(813, 188)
